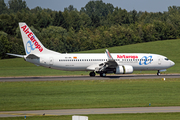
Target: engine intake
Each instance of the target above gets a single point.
(125, 69)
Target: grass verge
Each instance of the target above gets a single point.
(88, 94)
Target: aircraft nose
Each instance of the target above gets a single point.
(172, 63)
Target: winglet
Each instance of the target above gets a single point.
(109, 55)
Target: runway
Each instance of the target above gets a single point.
(64, 78)
(90, 111)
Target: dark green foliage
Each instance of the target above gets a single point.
(5, 45)
(16, 5)
(3, 7)
(98, 8)
(95, 20)
(59, 19)
(97, 25)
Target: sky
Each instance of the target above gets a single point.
(138, 5)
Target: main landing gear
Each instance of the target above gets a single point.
(158, 73)
(92, 74)
(103, 74)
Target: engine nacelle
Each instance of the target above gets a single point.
(125, 69)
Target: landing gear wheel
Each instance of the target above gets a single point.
(92, 74)
(103, 74)
(158, 74)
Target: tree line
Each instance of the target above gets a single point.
(96, 25)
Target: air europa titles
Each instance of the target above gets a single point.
(127, 56)
(32, 38)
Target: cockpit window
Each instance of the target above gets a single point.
(166, 59)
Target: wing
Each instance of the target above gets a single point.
(109, 66)
(111, 63)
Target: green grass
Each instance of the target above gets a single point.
(88, 94)
(168, 48)
(150, 116)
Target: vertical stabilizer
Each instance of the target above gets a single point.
(32, 44)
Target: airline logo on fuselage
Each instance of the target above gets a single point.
(145, 60)
(32, 38)
(127, 56)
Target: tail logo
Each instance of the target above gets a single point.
(33, 41)
(29, 47)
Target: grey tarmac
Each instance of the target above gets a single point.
(91, 111)
(63, 78)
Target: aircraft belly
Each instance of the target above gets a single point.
(146, 68)
(70, 67)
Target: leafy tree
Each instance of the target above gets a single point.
(3, 7)
(170, 31)
(55, 38)
(95, 20)
(59, 19)
(74, 20)
(96, 25)
(5, 45)
(8, 23)
(98, 8)
(17, 5)
(85, 20)
(150, 33)
(36, 9)
(70, 8)
(120, 17)
(134, 16)
(44, 19)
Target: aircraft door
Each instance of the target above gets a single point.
(51, 61)
(159, 60)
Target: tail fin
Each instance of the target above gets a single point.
(32, 45)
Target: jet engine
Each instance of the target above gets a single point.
(125, 69)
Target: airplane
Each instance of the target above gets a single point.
(100, 63)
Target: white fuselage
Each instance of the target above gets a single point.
(83, 62)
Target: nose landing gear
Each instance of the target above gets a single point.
(158, 73)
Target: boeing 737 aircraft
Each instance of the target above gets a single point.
(117, 63)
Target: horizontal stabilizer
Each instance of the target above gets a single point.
(15, 55)
(32, 56)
